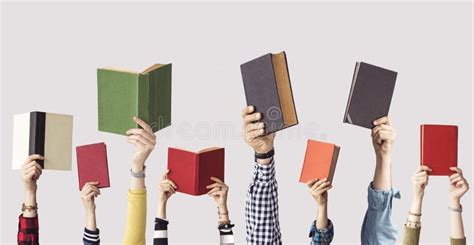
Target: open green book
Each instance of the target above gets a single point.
(123, 94)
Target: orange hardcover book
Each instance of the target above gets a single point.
(320, 161)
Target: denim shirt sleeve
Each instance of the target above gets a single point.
(321, 236)
(378, 227)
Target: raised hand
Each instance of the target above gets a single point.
(167, 188)
(144, 141)
(31, 172)
(254, 129)
(88, 194)
(318, 188)
(458, 185)
(383, 136)
(420, 181)
(218, 191)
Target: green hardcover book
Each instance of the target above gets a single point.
(123, 94)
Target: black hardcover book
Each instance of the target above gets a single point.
(370, 95)
(268, 88)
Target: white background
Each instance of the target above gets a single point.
(50, 52)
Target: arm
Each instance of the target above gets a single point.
(458, 187)
(261, 219)
(144, 141)
(322, 230)
(218, 191)
(88, 194)
(28, 221)
(413, 224)
(165, 191)
(377, 227)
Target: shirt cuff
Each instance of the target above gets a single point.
(161, 224)
(264, 172)
(381, 199)
(327, 230)
(91, 236)
(28, 222)
(137, 194)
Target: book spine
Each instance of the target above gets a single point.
(422, 128)
(37, 134)
(197, 174)
(143, 97)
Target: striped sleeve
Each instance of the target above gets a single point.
(226, 234)
(91, 237)
(160, 236)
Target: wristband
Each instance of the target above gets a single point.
(266, 155)
(459, 210)
(140, 174)
(417, 215)
(225, 226)
(28, 207)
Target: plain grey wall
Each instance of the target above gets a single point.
(50, 52)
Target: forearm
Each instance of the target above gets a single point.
(457, 227)
(161, 210)
(223, 215)
(322, 217)
(30, 200)
(91, 220)
(415, 209)
(382, 176)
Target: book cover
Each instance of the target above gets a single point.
(320, 161)
(268, 88)
(192, 172)
(370, 95)
(92, 165)
(47, 134)
(439, 148)
(123, 94)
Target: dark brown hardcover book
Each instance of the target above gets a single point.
(268, 88)
(370, 95)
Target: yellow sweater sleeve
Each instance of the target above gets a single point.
(458, 241)
(411, 236)
(136, 218)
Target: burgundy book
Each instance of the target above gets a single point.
(439, 148)
(192, 172)
(92, 164)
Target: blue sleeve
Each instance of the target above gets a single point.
(321, 236)
(378, 227)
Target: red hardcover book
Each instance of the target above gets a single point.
(439, 148)
(92, 165)
(192, 172)
(320, 161)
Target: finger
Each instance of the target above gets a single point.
(325, 189)
(33, 157)
(215, 179)
(381, 127)
(311, 183)
(456, 169)
(214, 190)
(424, 168)
(318, 183)
(323, 185)
(254, 126)
(135, 142)
(169, 182)
(247, 110)
(165, 175)
(454, 176)
(142, 139)
(142, 132)
(143, 124)
(382, 120)
(460, 183)
(255, 134)
(213, 185)
(252, 117)
(457, 179)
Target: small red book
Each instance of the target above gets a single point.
(439, 148)
(92, 165)
(320, 161)
(192, 172)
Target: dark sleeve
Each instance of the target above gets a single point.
(91, 237)
(226, 234)
(160, 236)
(28, 231)
(321, 236)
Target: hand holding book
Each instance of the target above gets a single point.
(254, 131)
(383, 135)
(144, 141)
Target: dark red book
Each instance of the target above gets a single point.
(439, 148)
(192, 172)
(92, 165)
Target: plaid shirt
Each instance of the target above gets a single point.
(261, 207)
(321, 236)
(28, 231)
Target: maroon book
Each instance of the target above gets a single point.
(439, 148)
(92, 164)
(192, 172)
